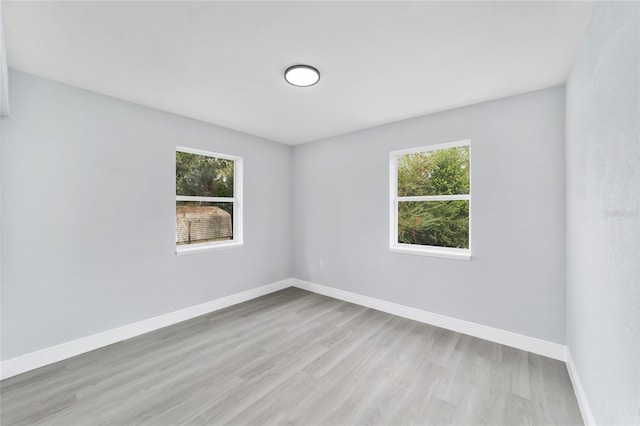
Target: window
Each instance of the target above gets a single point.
(208, 201)
(430, 200)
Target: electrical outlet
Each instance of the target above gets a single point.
(321, 263)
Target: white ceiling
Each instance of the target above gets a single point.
(222, 62)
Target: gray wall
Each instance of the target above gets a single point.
(88, 215)
(603, 213)
(516, 279)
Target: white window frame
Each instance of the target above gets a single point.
(237, 240)
(394, 200)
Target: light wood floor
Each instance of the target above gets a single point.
(295, 357)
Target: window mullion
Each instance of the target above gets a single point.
(435, 197)
(205, 199)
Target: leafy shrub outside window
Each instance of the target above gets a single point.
(431, 198)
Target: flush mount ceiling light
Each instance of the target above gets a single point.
(302, 75)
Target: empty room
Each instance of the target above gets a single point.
(320, 213)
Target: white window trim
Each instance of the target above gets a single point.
(237, 200)
(434, 251)
(202, 247)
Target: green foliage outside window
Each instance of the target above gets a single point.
(204, 176)
(434, 223)
(200, 175)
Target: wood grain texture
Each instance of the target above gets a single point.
(296, 358)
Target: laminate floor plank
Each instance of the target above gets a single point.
(295, 358)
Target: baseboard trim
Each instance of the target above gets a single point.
(583, 403)
(46, 356)
(508, 338)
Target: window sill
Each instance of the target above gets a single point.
(199, 248)
(459, 254)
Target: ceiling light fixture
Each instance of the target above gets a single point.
(302, 75)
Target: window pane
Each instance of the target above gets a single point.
(203, 176)
(198, 222)
(434, 223)
(440, 172)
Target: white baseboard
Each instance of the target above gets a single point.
(508, 338)
(33, 360)
(583, 403)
